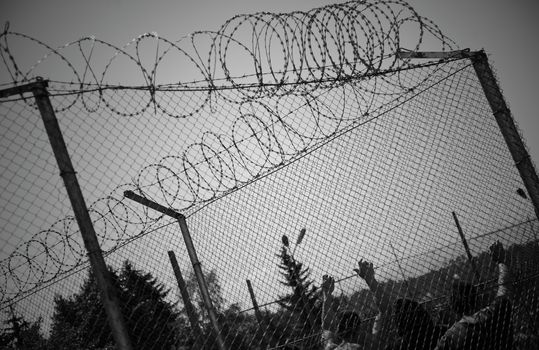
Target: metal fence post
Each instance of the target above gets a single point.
(501, 113)
(67, 172)
(466, 247)
(189, 308)
(258, 315)
(507, 126)
(197, 267)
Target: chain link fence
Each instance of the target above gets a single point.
(331, 150)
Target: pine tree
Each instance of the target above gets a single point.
(21, 334)
(80, 321)
(151, 319)
(303, 301)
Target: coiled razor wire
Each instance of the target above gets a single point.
(321, 47)
(347, 50)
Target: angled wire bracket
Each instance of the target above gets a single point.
(405, 54)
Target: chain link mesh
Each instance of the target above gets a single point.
(330, 133)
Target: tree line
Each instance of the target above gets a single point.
(155, 322)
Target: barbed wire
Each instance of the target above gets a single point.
(121, 220)
(283, 51)
(327, 49)
(309, 90)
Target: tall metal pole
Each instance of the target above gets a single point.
(258, 315)
(67, 172)
(466, 247)
(262, 331)
(501, 112)
(189, 308)
(192, 256)
(197, 266)
(507, 126)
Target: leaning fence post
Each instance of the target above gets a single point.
(501, 112)
(189, 308)
(192, 256)
(67, 172)
(258, 315)
(507, 126)
(466, 247)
